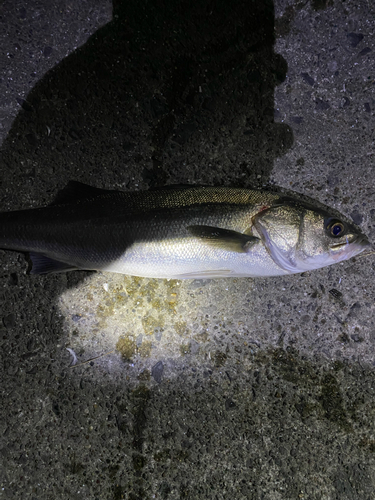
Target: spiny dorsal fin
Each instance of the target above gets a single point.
(75, 191)
(226, 239)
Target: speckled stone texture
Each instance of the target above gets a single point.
(115, 387)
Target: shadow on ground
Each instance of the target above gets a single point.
(165, 93)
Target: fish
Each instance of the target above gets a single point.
(180, 232)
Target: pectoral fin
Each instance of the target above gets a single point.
(225, 239)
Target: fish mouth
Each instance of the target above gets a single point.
(349, 249)
(359, 240)
(358, 244)
(363, 242)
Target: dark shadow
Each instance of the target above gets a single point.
(167, 92)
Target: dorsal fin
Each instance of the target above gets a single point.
(75, 191)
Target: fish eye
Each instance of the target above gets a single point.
(336, 228)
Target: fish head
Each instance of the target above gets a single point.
(300, 237)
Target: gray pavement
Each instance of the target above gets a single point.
(221, 389)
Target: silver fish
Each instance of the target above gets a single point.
(179, 232)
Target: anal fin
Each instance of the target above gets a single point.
(40, 264)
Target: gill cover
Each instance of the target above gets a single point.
(279, 229)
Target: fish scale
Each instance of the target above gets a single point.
(178, 232)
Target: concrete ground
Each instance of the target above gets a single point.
(224, 389)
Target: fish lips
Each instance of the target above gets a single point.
(345, 251)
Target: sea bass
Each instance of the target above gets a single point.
(179, 232)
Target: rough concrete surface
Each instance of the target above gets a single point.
(221, 389)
